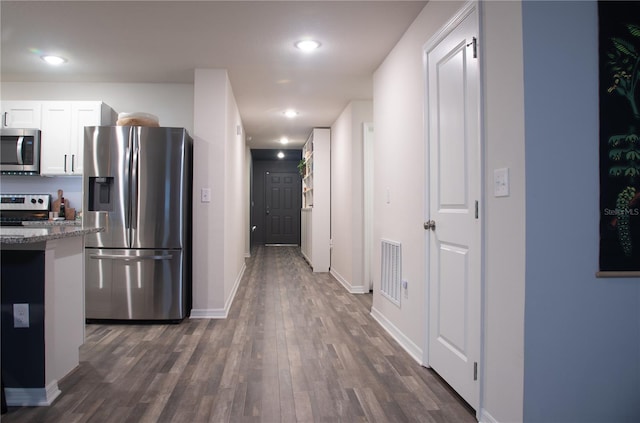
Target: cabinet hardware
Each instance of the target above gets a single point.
(474, 43)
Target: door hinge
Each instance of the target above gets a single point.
(477, 206)
(474, 43)
(475, 370)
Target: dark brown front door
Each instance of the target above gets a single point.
(282, 208)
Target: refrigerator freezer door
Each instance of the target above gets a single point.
(160, 192)
(107, 158)
(134, 284)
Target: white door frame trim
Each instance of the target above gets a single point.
(446, 29)
(368, 146)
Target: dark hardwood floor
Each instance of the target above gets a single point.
(295, 347)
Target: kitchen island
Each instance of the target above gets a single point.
(43, 273)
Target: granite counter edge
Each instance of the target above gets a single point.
(13, 240)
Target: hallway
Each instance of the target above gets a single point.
(295, 347)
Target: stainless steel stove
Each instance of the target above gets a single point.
(16, 208)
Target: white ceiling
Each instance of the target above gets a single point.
(164, 41)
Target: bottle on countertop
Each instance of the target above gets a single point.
(63, 210)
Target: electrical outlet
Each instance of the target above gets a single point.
(21, 315)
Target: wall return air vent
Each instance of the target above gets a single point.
(391, 271)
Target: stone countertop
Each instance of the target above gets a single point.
(41, 223)
(11, 235)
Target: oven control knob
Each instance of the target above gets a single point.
(33, 201)
(40, 200)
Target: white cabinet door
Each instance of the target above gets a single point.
(55, 158)
(21, 114)
(83, 113)
(63, 134)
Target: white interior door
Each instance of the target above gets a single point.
(454, 230)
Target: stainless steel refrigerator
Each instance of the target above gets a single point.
(137, 184)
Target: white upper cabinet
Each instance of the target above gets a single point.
(55, 138)
(21, 114)
(63, 123)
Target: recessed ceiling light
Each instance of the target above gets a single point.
(307, 45)
(280, 155)
(54, 60)
(290, 113)
(284, 140)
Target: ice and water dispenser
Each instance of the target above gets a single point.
(101, 193)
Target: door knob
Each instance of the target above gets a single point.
(430, 224)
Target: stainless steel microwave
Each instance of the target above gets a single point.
(20, 153)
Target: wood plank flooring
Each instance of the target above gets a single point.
(296, 347)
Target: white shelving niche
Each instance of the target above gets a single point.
(316, 190)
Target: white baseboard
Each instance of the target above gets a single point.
(485, 417)
(414, 351)
(219, 313)
(350, 288)
(27, 397)
(208, 313)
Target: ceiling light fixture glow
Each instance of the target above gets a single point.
(280, 155)
(54, 60)
(307, 45)
(284, 140)
(290, 113)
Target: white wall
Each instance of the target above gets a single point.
(219, 164)
(347, 196)
(208, 172)
(172, 103)
(502, 67)
(399, 176)
(235, 197)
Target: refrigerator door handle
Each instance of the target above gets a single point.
(129, 258)
(127, 187)
(135, 183)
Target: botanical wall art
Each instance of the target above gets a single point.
(619, 58)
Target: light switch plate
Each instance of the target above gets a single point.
(21, 315)
(501, 182)
(205, 195)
